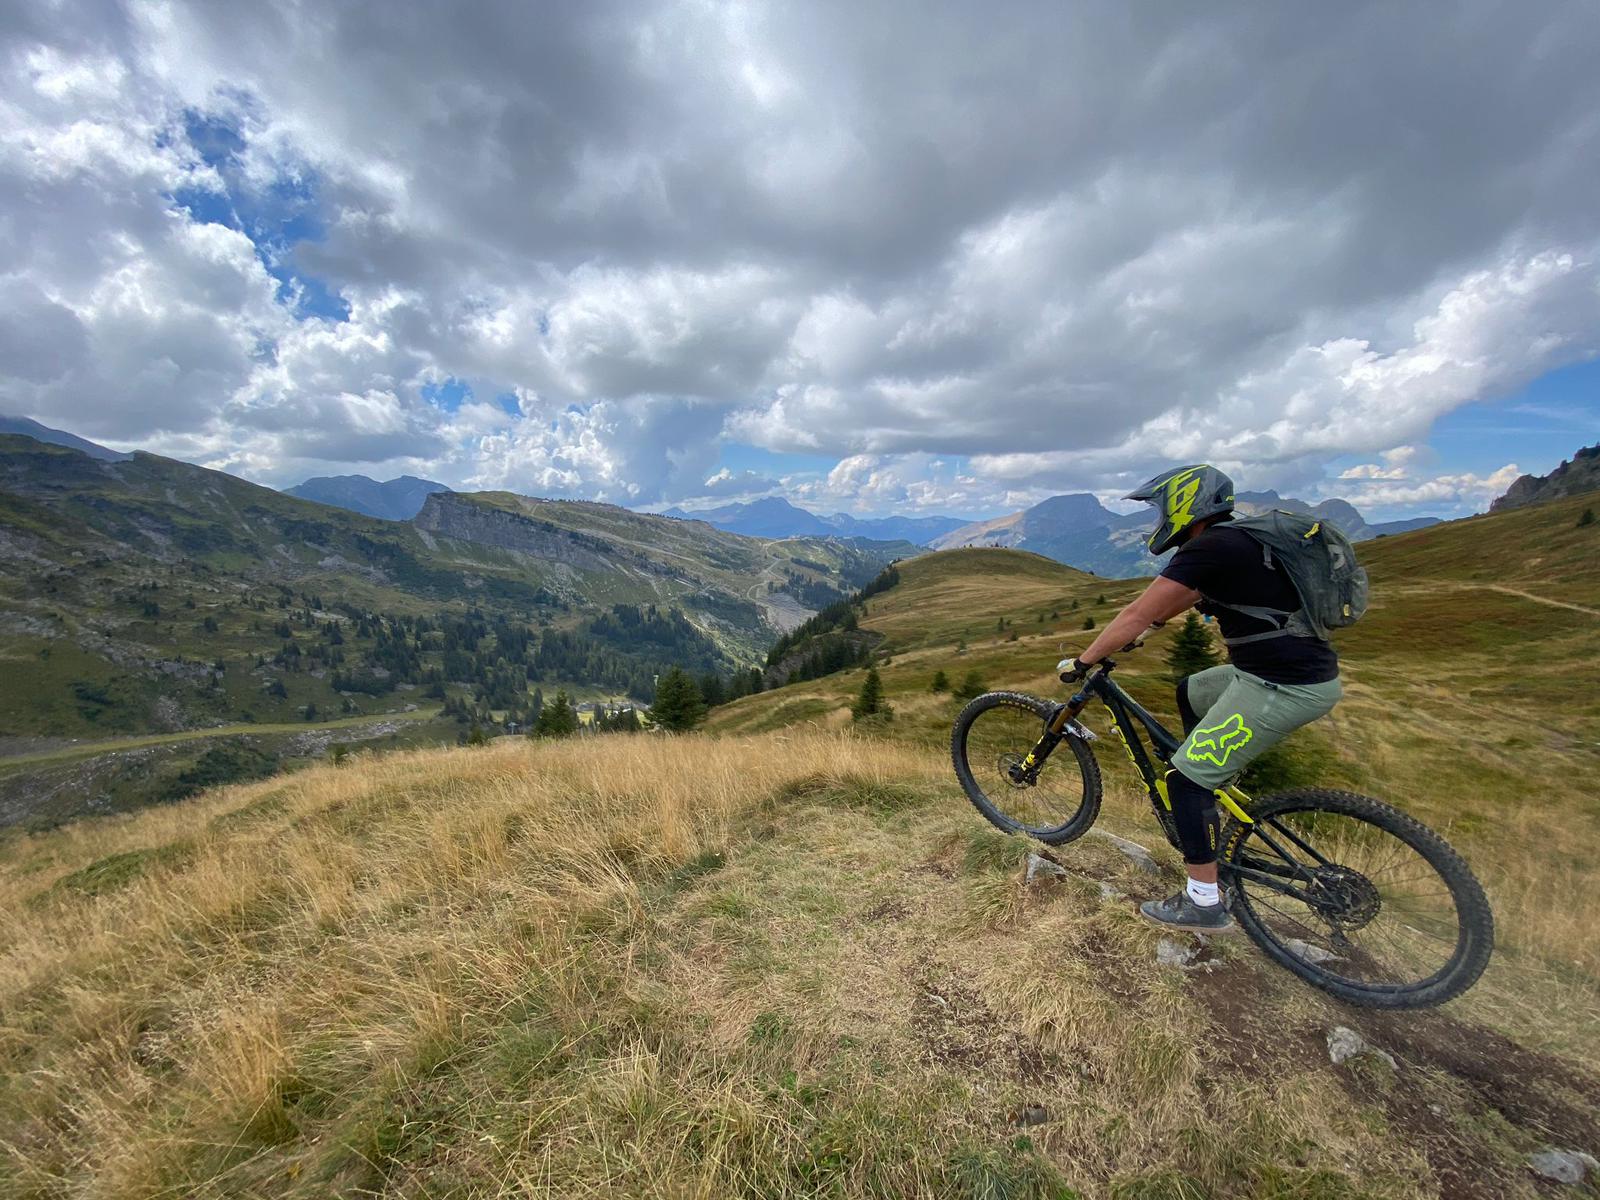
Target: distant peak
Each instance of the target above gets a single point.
(397, 499)
(25, 427)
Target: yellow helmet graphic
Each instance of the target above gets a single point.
(1183, 496)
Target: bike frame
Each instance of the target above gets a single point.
(1127, 716)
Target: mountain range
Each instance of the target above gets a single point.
(57, 437)
(775, 517)
(144, 596)
(392, 500)
(1080, 531)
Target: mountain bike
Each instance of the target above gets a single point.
(1349, 893)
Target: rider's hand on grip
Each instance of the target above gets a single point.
(1072, 671)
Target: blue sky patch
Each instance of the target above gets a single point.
(1535, 428)
(448, 396)
(276, 218)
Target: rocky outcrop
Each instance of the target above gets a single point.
(1582, 474)
(450, 515)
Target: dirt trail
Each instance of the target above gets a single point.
(73, 750)
(783, 611)
(1457, 585)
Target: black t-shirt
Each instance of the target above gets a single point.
(1227, 564)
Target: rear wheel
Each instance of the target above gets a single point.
(1358, 899)
(1056, 803)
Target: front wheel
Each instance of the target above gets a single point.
(1358, 899)
(1055, 803)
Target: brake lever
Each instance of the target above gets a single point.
(1141, 639)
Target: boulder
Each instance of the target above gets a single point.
(1345, 1043)
(1563, 1166)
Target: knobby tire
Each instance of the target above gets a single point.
(1071, 751)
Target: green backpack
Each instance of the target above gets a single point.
(1321, 562)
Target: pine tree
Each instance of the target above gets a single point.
(1088, 622)
(557, 718)
(941, 682)
(678, 706)
(712, 691)
(1191, 649)
(870, 702)
(972, 686)
(1587, 518)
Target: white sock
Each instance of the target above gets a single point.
(1204, 894)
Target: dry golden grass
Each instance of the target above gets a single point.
(693, 967)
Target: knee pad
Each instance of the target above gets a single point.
(1194, 813)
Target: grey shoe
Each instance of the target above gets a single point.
(1184, 913)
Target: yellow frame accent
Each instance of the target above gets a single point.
(1230, 797)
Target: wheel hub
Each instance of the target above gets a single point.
(1345, 896)
(1015, 774)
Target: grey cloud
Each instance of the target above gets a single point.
(1064, 240)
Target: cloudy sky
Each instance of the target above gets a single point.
(879, 257)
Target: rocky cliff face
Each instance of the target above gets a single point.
(450, 515)
(1582, 474)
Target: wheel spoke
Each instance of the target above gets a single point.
(1368, 891)
(997, 742)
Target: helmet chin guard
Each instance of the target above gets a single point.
(1183, 496)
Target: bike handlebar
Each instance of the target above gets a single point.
(1066, 664)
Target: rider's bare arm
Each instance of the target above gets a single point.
(1161, 601)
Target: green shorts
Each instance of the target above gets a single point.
(1241, 717)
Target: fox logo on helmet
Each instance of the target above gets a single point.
(1181, 497)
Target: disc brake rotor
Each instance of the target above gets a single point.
(1344, 896)
(1011, 771)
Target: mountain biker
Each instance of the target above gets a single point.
(1274, 683)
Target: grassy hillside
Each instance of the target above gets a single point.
(143, 596)
(944, 600)
(688, 967)
(790, 961)
(128, 580)
(1470, 702)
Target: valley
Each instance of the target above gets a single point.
(147, 597)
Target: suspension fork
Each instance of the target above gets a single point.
(1055, 728)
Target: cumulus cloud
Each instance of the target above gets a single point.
(1474, 491)
(1057, 249)
(738, 485)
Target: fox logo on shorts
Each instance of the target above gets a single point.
(1220, 741)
